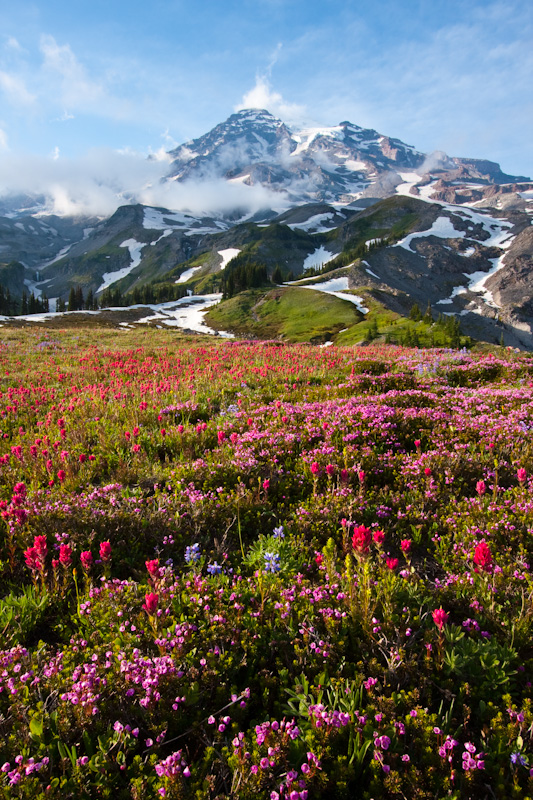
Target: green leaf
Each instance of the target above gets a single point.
(36, 726)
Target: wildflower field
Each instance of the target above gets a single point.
(252, 570)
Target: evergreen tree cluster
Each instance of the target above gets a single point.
(27, 304)
(347, 257)
(149, 294)
(241, 274)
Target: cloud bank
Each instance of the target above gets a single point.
(102, 180)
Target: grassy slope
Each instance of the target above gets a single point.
(290, 313)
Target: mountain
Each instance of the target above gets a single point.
(397, 226)
(339, 164)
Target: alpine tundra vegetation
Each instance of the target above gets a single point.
(236, 569)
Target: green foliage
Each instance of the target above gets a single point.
(21, 615)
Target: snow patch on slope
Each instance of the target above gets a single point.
(314, 223)
(186, 313)
(135, 247)
(318, 258)
(442, 227)
(184, 277)
(337, 287)
(227, 255)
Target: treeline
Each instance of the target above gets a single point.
(445, 331)
(144, 295)
(348, 257)
(77, 302)
(242, 273)
(12, 306)
(149, 294)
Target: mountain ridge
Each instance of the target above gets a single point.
(419, 228)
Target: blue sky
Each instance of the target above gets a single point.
(95, 86)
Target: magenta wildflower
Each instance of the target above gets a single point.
(440, 618)
(105, 551)
(150, 603)
(86, 559)
(361, 539)
(65, 555)
(483, 556)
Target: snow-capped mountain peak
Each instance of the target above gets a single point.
(334, 164)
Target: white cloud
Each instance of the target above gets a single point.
(262, 95)
(76, 87)
(103, 179)
(3, 140)
(15, 88)
(13, 44)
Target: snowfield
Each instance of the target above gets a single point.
(108, 278)
(227, 255)
(337, 287)
(318, 258)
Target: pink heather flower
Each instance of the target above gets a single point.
(440, 618)
(406, 545)
(61, 475)
(65, 555)
(521, 474)
(481, 488)
(86, 559)
(315, 468)
(483, 556)
(153, 567)
(361, 539)
(392, 563)
(150, 602)
(379, 537)
(105, 551)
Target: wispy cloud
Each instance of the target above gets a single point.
(13, 44)
(262, 95)
(14, 88)
(60, 61)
